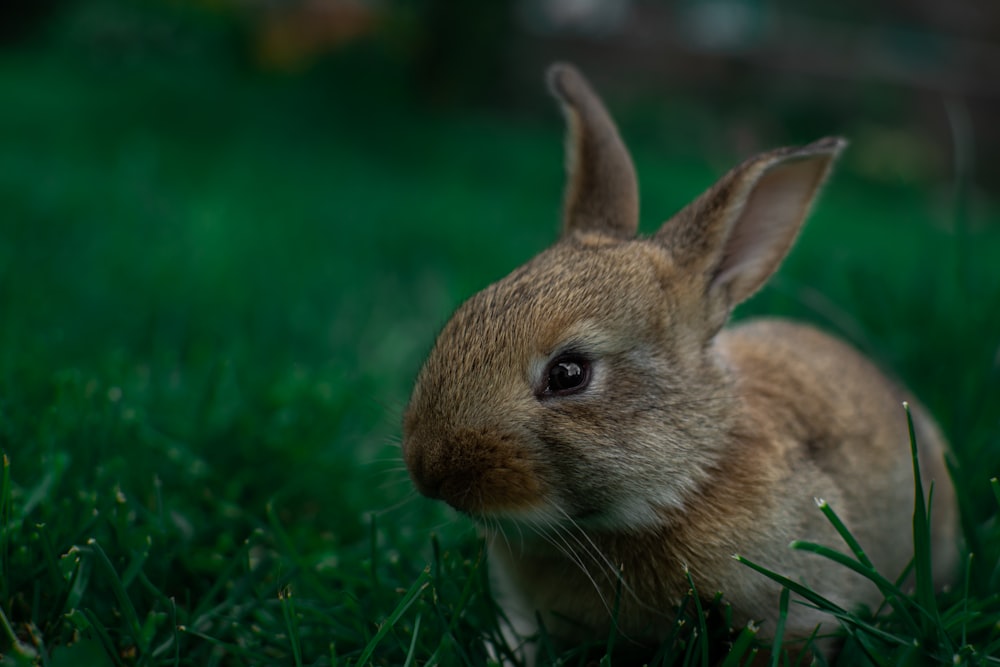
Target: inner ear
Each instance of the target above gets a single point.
(733, 237)
(602, 194)
(763, 232)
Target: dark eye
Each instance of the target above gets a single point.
(567, 374)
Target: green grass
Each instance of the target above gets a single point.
(216, 288)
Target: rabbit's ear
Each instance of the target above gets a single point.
(602, 194)
(737, 233)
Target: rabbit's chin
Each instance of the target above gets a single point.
(629, 515)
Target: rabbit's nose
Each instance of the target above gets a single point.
(425, 475)
(429, 485)
(442, 477)
(473, 471)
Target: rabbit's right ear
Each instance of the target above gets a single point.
(602, 194)
(733, 237)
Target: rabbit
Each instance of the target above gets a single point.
(592, 414)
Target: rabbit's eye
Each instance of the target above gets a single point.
(567, 374)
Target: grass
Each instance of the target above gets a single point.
(216, 287)
(920, 629)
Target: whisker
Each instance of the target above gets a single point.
(444, 525)
(500, 531)
(391, 459)
(402, 502)
(383, 467)
(614, 573)
(520, 534)
(394, 407)
(564, 547)
(588, 546)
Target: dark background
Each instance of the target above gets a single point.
(229, 232)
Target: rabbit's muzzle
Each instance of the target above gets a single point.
(473, 471)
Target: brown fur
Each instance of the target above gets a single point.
(689, 444)
(602, 193)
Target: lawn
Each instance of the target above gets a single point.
(216, 288)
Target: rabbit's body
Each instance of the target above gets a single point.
(757, 496)
(591, 412)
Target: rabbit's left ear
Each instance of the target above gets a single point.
(602, 194)
(734, 236)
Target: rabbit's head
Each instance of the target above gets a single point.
(584, 385)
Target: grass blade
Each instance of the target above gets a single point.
(238, 560)
(742, 644)
(965, 600)
(932, 630)
(411, 596)
(5, 491)
(844, 533)
(124, 602)
(78, 579)
(667, 648)
(413, 643)
(891, 592)
(373, 549)
(821, 603)
(229, 649)
(103, 637)
(779, 629)
(921, 529)
(702, 637)
(808, 647)
(19, 648)
(291, 622)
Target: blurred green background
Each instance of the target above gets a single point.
(230, 229)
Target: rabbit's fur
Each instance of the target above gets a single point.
(687, 443)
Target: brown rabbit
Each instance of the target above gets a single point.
(592, 414)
